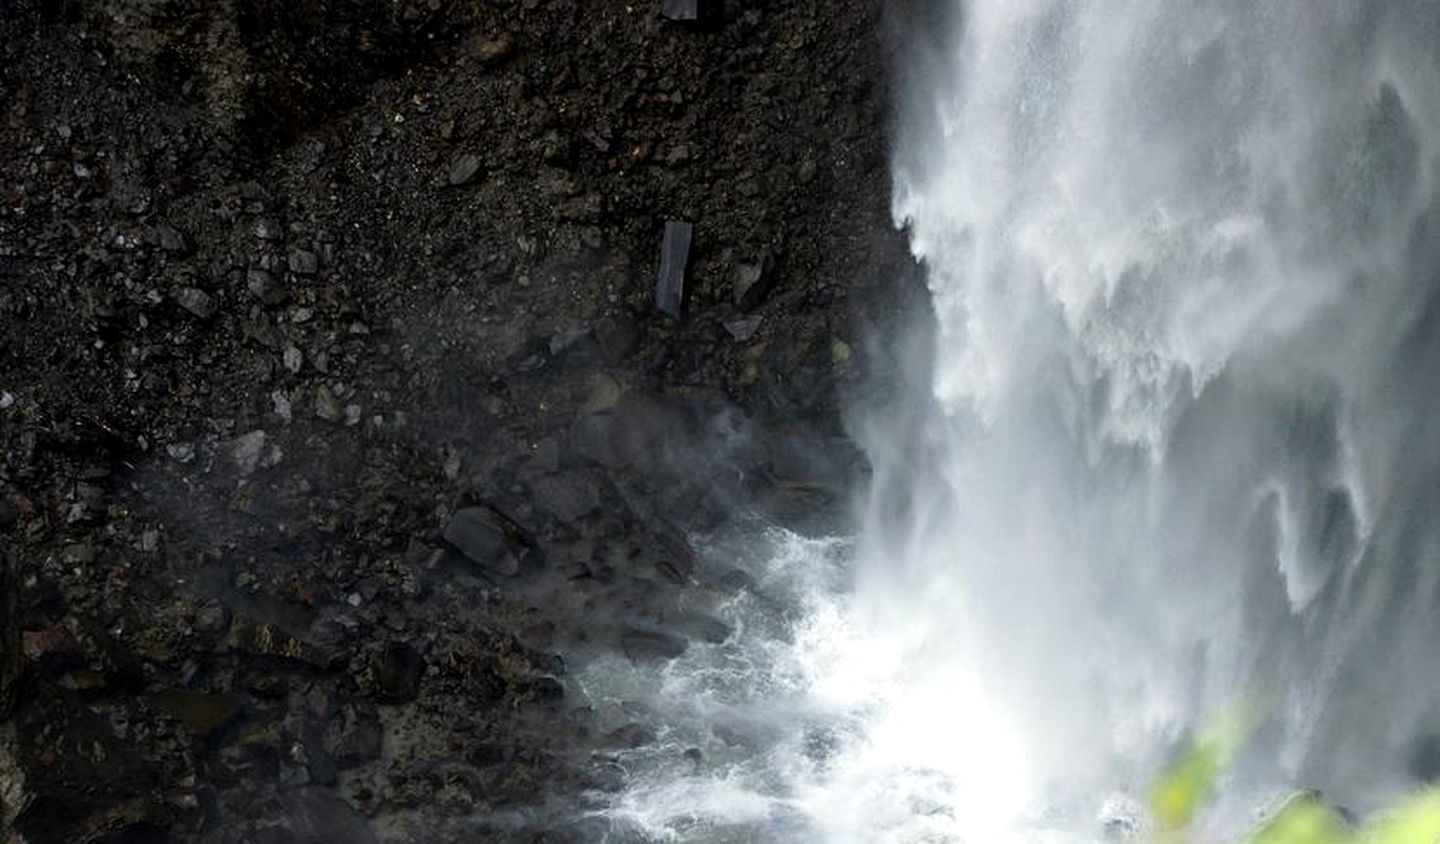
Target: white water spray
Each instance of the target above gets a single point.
(1179, 450)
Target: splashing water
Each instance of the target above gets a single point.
(1176, 448)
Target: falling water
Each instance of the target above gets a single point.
(1176, 448)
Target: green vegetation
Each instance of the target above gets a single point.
(1176, 798)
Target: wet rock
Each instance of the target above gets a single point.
(487, 538)
(294, 359)
(706, 628)
(678, 154)
(800, 458)
(262, 639)
(569, 496)
(211, 617)
(328, 407)
(557, 149)
(265, 287)
(314, 816)
(807, 510)
(643, 432)
(66, 775)
(171, 240)
(52, 651)
(642, 646)
(607, 776)
(617, 336)
(547, 689)
(353, 737)
(633, 734)
(568, 341)
(304, 262)
(463, 169)
(79, 553)
(674, 559)
(395, 673)
(197, 302)
(604, 393)
(700, 13)
(247, 451)
(9, 508)
(267, 229)
(752, 282)
(320, 765)
(495, 49)
(674, 262)
(581, 209)
(743, 329)
(202, 713)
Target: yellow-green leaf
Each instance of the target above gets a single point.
(1302, 820)
(1416, 820)
(1176, 798)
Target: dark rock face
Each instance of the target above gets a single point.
(9, 636)
(337, 417)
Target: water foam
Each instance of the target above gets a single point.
(1173, 449)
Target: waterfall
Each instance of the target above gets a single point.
(1176, 449)
(1183, 259)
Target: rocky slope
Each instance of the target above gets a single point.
(336, 417)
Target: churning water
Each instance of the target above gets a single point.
(1178, 446)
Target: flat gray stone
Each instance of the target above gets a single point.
(674, 261)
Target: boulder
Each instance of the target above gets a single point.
(642, 646)
(488, 539)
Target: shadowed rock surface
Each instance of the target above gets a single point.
(289, 289)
